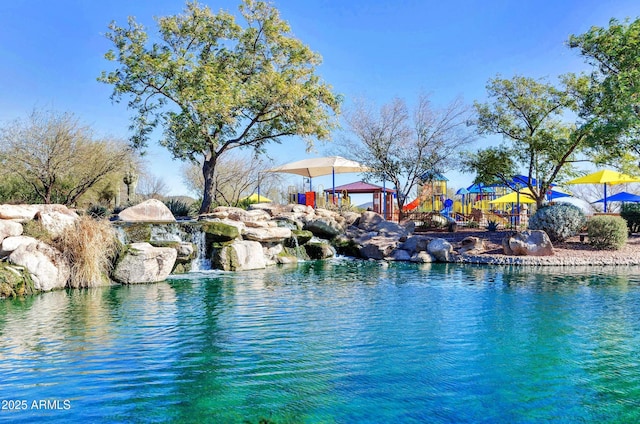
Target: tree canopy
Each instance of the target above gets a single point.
(214, 85)
(57, 158)
(527, 114)
(402, 147)
(613, 53)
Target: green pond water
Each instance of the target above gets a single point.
(340, 341)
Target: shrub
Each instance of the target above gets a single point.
(97, 211)
(559, 221)
(178, 207)
(473, 224)
(631, 213)
(492, 225)
(607, 232)
(36, 230)
(90, 246)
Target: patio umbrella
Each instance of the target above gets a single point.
(513, 198)
(256, 198)
(621, 197)
(321, 166)
(605, 177)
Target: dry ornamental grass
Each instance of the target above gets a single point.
(89, 246)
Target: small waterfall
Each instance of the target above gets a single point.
(201, 262)
(297, 248)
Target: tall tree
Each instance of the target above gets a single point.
(214, 85)
(59, 159)
(401, 147)
(236, 176)
(613, 53)
(528, 114)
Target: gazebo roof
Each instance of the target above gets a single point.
(359, 187)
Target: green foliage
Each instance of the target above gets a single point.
(97, 211)
(528, 114)
(56, 158)
(559, 221)
(178, 207)
(215, 85)
(15, 281)
(492, 225)
(137, 232)
(36, 230)
(631, 213)
(473, 224)
(13, 190)
(613, 53)
(607, 232)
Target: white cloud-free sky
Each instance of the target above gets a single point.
(53, 51)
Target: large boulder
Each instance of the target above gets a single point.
(46, 265)
(378, 247)
(24, 213)
(415, 244)
(9, 229)
(369, 221)
(217, 231)
(319, 250)
(241, 255)
(528, 243)
(400, 255)
(441, 249)
(143, 263)
(56, 222)
(471, 246)
(324, 227)
(267, 235)
(298, 238)
(151, 210)
(254, 215)
(391, 229)
(10, 244)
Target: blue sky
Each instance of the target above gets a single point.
(52, 53)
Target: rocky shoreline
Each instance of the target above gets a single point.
(572, 252)
(153, 244)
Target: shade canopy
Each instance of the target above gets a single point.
(361, 187)
(621, 197)
(513, 197)
(256, 198)
(606, 176)
(317, 167)
(555, 194)
(480, 188)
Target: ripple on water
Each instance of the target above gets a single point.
(334, 341)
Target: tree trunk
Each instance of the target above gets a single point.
(208, 169)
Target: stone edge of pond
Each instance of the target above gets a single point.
(546, 260)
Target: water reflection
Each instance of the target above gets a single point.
(341, 340)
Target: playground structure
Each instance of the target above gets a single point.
(477, 204)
